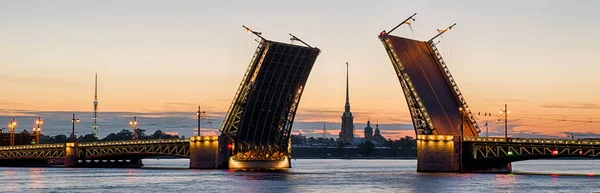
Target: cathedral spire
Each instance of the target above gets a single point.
(347, 90)
(347, 131)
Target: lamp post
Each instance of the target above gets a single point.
(38, 129)
(462, 125)
(11, 126)
(505, 112)
(199, 114)
(74, 120)
(134, 123)
(462, 120)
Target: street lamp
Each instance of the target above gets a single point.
(505, 112)
(199, 114)
(11, 126)
(463, 113)
(37, 130)
(134, 123)
(74, 120)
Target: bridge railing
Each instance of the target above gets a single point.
(40, 146)
(131, 142)
(533, 140)
(95, 144)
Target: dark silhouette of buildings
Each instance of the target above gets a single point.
(378, 137)
(368, 131)
(23, 138)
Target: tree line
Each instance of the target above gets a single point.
(119, 136)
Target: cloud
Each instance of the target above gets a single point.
(570, 106)
(333, 115)
(39, 80)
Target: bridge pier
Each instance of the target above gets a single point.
(225, 151)
(204, 152)
(71, 154)
(443, 153)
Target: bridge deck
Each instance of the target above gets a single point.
(516, 149)
(174, 147)
(429, 80)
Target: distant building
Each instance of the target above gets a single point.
(378, 137)
(347, 130)
(23, 138)
(368, 131)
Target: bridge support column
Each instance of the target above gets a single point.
(71, 154)
(225, 152)
(204, 152)
(438, 153)
(443, 153)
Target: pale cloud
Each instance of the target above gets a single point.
(590, 106)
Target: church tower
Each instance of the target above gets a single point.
(368, 131)
(347, 132)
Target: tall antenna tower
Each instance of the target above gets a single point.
(324, 131)
(95, 126)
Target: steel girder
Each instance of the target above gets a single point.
(524, 149)
(421, 120)
(146, 150)
(261, 115)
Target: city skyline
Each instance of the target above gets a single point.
(200, 61)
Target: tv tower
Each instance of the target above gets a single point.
(95, 126)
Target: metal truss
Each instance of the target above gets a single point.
(454, 86)
(260, 118)
(33, 153)
(89, 150)
(421, 120)
(232, 121)
(144, 150)
(522, 149)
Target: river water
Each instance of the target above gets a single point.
(318, 175)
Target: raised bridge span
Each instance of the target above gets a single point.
(255, 133)
(447, 132)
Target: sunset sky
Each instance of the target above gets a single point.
(160, 59)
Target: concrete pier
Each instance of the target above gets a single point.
(71, 154)
(447, 153)
(204, 151)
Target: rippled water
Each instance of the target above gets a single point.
(171, 175)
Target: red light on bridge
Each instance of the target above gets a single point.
(229, 146)
(554, 152)
(591, 174)
(580, 152)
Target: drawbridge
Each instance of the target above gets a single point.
(259, 121)
(447, 132)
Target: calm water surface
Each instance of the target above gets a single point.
(171, 175)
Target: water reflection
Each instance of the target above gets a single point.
(306, 176)
(35, 178)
